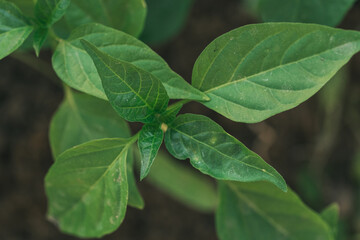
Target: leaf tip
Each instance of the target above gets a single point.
(142, 206)
(279, 182)
(282, 185)
(89, 47)
(143, 173)
(37, 50)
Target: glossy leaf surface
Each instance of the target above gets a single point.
(165, 18)
(75, 67)
(149, 142)
(182, 183)
(257, 71)
(325, 12)
(14, 28)
(82, 118)
(136, 95)
(87, 188)
(216, 153)
(47, 12)
(260, 211)
(125, 15)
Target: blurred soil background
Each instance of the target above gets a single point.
(315, 146)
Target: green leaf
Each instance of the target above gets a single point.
(165, 19)
(26, 6)
(11, 17)
(125, 15)
(14, 28)
(75, 67)
(257, 71)
(150, 139)
(47, 12)
(326, 12)
(135, 198)
(216, 153)
(40, 35)
(331, 216)
(182, 183)
(260, 211)
(87, 188)
(136, 95)
(82, 118)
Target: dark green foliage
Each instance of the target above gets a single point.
(48, 12)
(150, 139)
(124, 15)
(216, 153)
(326, 12)
(76, 68)
(14, 28)
(261, 211)
(265, 69)
(164, 19)
(39, 38)
(82, 118)
(248, 75)
(87, 187)
(136, 95)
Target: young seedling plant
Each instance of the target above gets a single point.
(247, 75)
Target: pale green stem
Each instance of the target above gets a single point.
(53, 35)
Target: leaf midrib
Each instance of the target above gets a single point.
(150, 157)
(99, 91)
(156, 58)
(160, 61)
(53, 11)
(124, 150)
(25, 29)
(261, 213)
(242, 59)
(167, 68)
(279, 67)
(214, 149)
(133, 90)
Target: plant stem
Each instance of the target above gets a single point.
(53, 35)
(37, 64)
(134, 138)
